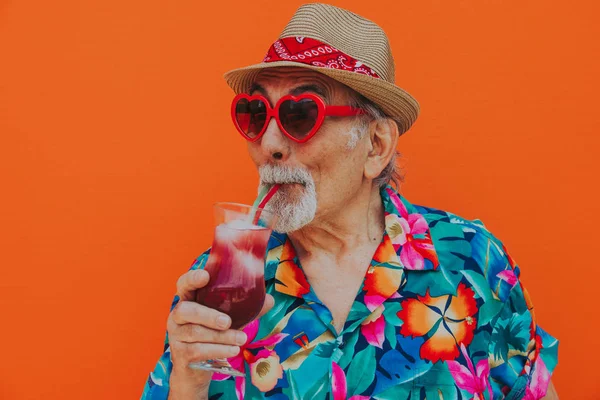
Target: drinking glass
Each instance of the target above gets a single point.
(236, 265)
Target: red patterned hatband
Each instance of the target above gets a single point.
(312, 52)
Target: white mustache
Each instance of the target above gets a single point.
(271, 174)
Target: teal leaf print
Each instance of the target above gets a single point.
(438, 284)
(292, 391)
(319, 390)
(443, 392)
(437, 375)
(391, 314)
(488, 311)
(451, 280)
(361, 371)
(509, 334)
(481, 341)
(325, 350)
(348, 350)
(358, 310)
(480, 284)
(273, 317)
(390, 335)
(549, 349)
(400, 392)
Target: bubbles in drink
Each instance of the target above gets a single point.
(241, 224)
(236, 268)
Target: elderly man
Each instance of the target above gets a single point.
(369, 296)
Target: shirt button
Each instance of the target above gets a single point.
(336, 355)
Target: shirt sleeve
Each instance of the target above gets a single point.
(522, 355)
(157, 384)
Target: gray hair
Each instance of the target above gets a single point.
(391, 173)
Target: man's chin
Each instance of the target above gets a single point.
(291, 211)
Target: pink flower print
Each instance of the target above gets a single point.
(539, 381)
(339, 387)
(237, 362)
(373, 327)
(240, 387)
(508, 276)
(473, 380)
(338, 382)
(402, 230)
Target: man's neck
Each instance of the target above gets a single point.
(359, 222)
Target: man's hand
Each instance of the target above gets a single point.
(198, 333)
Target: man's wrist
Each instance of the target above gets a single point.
(188, 385)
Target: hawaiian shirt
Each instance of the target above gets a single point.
(440, 314)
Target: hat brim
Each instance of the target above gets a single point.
(393, 100)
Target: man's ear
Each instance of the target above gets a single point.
(383, 134)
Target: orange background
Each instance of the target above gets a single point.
(116, 140)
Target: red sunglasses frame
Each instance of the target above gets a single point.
(273, 112)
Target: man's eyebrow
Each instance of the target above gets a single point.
(310, 88)
(255, 87)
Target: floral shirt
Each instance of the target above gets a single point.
(441, 314)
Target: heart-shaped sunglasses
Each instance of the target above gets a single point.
(298, 117)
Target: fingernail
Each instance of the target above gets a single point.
(240, 338)
(222, 321)
(235, 350)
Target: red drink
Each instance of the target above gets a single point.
(236, 268)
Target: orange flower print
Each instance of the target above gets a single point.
(289, 277)
(446, 321)
(386, 252)
(382, 281)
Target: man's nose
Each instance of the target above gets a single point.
(275, 145)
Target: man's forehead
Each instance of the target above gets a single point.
(289, 79)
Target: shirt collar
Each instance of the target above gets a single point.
(406, 243)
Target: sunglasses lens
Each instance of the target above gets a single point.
(251, 116)
(298, 118)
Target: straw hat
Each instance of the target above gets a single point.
(345, 47)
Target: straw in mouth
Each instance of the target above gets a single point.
(269, 194)
(262, 200)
